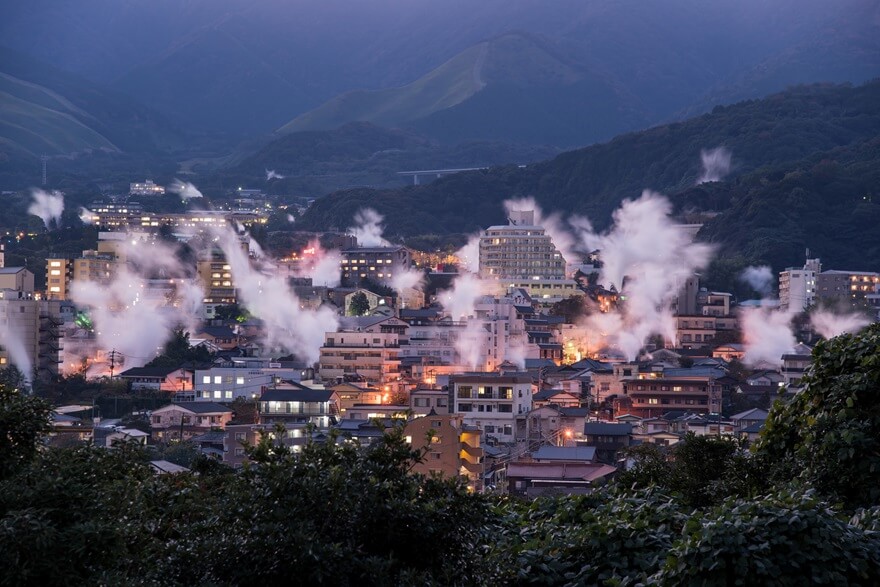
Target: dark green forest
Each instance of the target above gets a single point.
(800, 507)
(804, 165)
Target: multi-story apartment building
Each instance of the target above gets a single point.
(700, 331)
(215, 275)
(492, 402)
(30, 333)
(59, 274)
(452, 448)
(378, 264)
(797, 287)
(94, 266)
(523, 255)
(649, 398)
(364, 348)
(847, 288)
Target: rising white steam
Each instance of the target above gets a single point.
(133, 316)
(828, 324)
(472, 343)
(469, 255)
(185, 189)
(407, 279)
(321, 265)
(767, 335)
(48, 206)
(288, 325)
(654, 257)
(716, 164)
(12, 339)
(760, 279)
(86, 215)
(368, 228)
(290, 218)
(460, 301)
(272, 174)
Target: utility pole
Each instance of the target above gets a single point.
(112, 362)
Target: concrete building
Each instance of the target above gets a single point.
(215, 275)
(30, 333)
(523, 255)
(425, 400)
(365, 349)
(851, 289)
(231, 380)
(452, 449)
(297, 406)
(378, 264)
(17, 279)
(492, 402)
(797, 287)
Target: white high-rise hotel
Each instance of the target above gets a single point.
(521, 254)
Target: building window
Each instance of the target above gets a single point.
(206, 379)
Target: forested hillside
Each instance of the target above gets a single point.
(820, 139)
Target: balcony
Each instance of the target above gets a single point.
(472, 468)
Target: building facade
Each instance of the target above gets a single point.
(492, 402)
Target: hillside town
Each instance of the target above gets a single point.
(522, 364)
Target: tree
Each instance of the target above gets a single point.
(178, 351)
(24, 421)
(359, 305)
(829, 434)
(572, 309)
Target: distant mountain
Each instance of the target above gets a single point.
(315, 163)
(795, 130)
(44, 110)
(250, 67)
(514, 87)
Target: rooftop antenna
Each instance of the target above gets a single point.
(44, 159)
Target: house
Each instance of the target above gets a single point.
(608, 439)
(765, 377)
(729, 352)
(222, 337)
(170, 379)
(710, 425)
(235, 436)
(210, 443)
(296, 406)
(182, 421)
(451, 448)
(350, 394)
(557, 397)
(567, 454)
(381, 411)
(660, 438)
(795, 364)
(120, 434)
(161, 467)
(531, 479)
(424, 399)
(229, 380)
(747, 418)
(751, 432)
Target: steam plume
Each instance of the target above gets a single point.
(86, 215)
(48, 206)
(185, 189)
(828, 324)
(469, 255)
(271, 174)
(288, 325)
(655, 256)
(18, 355)
(716, 164)
(129, 316)
(759, 279)
(460, 301)
(767, 335)
(368, 228)
(321, 265)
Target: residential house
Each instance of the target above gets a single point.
(566, 454)
(349, 395)
(534, 479)
(182, 421)
(297, 406)
(170, 379)
(423, 400)
(608, 439)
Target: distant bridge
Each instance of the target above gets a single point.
(437, 172)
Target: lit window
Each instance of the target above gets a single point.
(218, 379)
(239, 380)
(206, 379)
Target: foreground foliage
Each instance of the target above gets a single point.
(800, 509)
